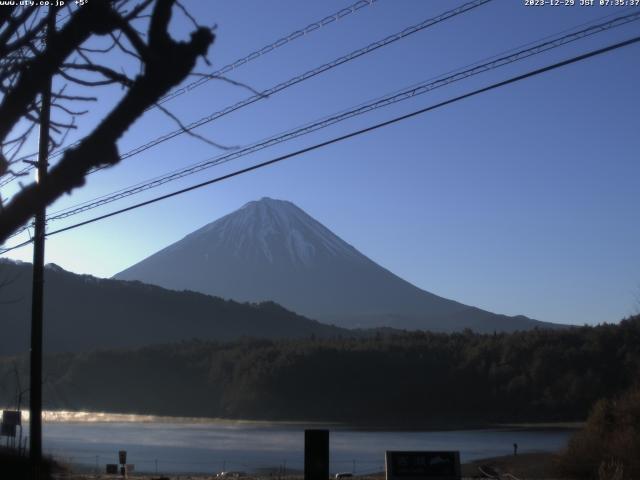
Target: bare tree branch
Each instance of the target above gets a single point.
(166, 63)
(235, 83)
(190, 132)
(106, 72)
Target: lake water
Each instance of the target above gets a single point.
(179, 445)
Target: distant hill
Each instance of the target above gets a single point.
(272, 250)
(84, 313)
(409, 379)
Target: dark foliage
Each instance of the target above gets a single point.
(609, 445)
(84, 313)
(414, 378)
(18, 467)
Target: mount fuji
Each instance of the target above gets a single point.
(272, 250)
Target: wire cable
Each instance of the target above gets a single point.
(355, 133)
(269, 48)
(305, 76)
(601, 27)
(396, 97)
(283, 85)
(312, 27)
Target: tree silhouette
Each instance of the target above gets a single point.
(77, 55)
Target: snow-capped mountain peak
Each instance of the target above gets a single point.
(276, 229)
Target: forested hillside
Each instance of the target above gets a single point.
(83, 313)
(398, 378)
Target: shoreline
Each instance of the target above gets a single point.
(522, 466)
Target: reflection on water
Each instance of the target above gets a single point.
(185, 445)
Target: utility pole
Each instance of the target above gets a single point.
(35, 403)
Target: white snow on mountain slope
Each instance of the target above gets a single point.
(267, 225)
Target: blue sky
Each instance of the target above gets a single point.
(523, 200)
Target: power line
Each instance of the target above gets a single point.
(377, 126)
(305, 76)
(595, 29)
(15, 247)
(288, 83)
(402, 95)
(269, 48)
(282, 41)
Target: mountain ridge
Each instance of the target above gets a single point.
(272, 250)
(83, 312)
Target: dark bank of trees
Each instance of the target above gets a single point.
(609, 444)
(84, 313)
(412, 378)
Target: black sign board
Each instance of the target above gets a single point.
(112, 469)
(316, 454)
(423, 465)
(122, 457)
(12, 417)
